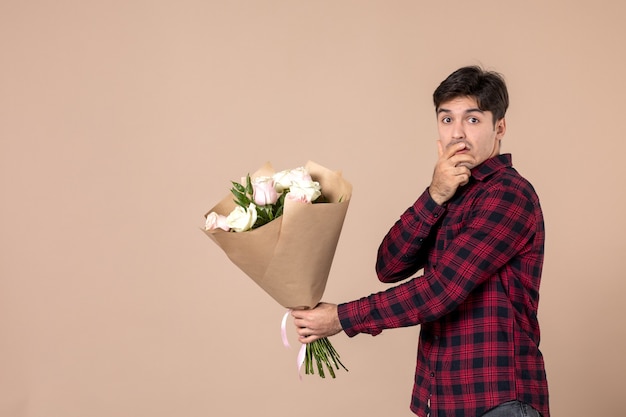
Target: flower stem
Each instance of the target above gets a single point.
(323, 353)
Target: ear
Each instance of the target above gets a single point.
(500, 128)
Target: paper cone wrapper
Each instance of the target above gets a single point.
(290, 257)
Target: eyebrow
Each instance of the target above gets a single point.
(471, 110)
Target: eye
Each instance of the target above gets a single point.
(446, 120)
(473, 120)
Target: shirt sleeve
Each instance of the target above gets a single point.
(403, 250)
(498, 228)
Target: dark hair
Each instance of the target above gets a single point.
(487, 87)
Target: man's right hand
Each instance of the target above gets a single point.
(451, 172)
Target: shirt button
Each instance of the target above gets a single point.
(432, 374)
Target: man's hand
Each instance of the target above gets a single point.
(451, 171)
(321, 321)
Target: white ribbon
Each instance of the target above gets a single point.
(283, 335)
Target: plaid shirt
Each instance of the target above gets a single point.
(476, 302)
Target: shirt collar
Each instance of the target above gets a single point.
(492, 165)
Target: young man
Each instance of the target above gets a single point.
(478, 234)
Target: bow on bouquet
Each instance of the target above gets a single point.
(282, 229)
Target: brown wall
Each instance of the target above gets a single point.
(122, 122)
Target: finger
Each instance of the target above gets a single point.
(298, 314)
(463, 175)
(460, 159)
(464, 180)
(308, 339)
(302, 324)
(305, 334)
(462, 170)
(453, 149)
(463, 161)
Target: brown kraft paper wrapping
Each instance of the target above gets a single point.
(290, 257)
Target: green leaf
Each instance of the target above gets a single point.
(240, 188)
(241, 197)
(249, 188)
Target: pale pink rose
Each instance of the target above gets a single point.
(216, 221)
(300, 198)
(264, 192)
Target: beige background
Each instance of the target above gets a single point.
(121, 122)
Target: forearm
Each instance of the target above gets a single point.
(416, 301)
(403, 250)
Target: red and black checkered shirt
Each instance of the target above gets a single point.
(476, 302)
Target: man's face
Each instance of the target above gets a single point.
(460, 120)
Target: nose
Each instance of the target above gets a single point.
(457, 130)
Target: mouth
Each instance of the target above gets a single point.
(463, 151)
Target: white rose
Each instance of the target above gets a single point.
(284, 179)
(304, 191)
(215, 221)
(300, 174)
(241, 219)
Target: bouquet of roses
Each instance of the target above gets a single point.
(282, 229)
